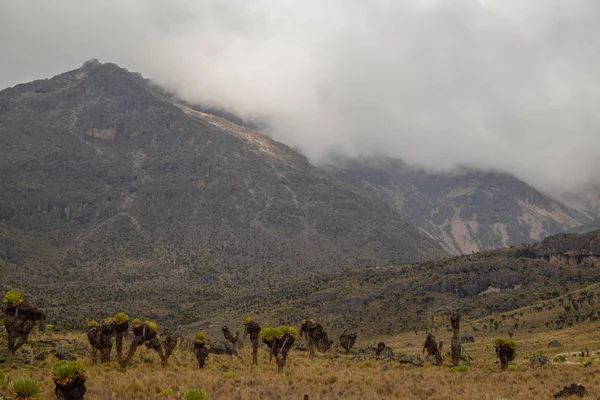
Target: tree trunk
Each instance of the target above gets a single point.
(281, 359)
(119, 344)
(311, 346)
(201, 355)
(9, 359)
(281, 355)
(169, 343)
(455, 345)
(75, 391)
(155, 345)
(94, 354)
(255, 346)
(503, 362)
(137, 341)
(105, 354)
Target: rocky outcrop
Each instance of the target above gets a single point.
(565, 248)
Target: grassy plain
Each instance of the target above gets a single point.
(335, 375)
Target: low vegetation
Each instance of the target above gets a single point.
(333, 375)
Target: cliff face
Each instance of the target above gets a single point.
(465, 211)
(565, 248)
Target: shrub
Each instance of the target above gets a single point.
(229, 375)
(194, 394)
(168, 393)
(513, 368)
(267, 334)
(64, 372)
(24, 389)
(3, 379)
(502, 342)
(460, 368)
(121, 318)
(559, 358)
(13, 297)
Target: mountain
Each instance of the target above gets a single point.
(114, 193)
(466, 210)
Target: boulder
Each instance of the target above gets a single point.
(64, 354)
(405, 360)
(222, 347)
(576, 389)
(467, 339)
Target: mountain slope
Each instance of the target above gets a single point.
(386, 300)
(110, 191)
(467, 210)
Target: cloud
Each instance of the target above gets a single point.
(510, 84)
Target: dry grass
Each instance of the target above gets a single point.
(334, 376)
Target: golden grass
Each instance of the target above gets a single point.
(334, 376)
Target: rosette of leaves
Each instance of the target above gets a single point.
(194, 394)
(93, 324)
(279, 332)
(24, 389)
(499, 342)
(69, 378)
(153, 326)
(137, 322)
(121, 318)
(65, 373)
(247, 319)
(109, 321)
(3, 380)
(289, 330)
(199, 338)
(13, 297)
(267, 335)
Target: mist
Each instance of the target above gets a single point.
(511, 85)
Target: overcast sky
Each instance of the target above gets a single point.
(506, 84)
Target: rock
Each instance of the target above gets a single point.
(404, 359)
(418, 362)
(222, 347)
(538, 360)
(554, 343)
(467, 339)
(387, 354)
(39, 357)
(64, 354)
(576, 389)
(48, 343)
